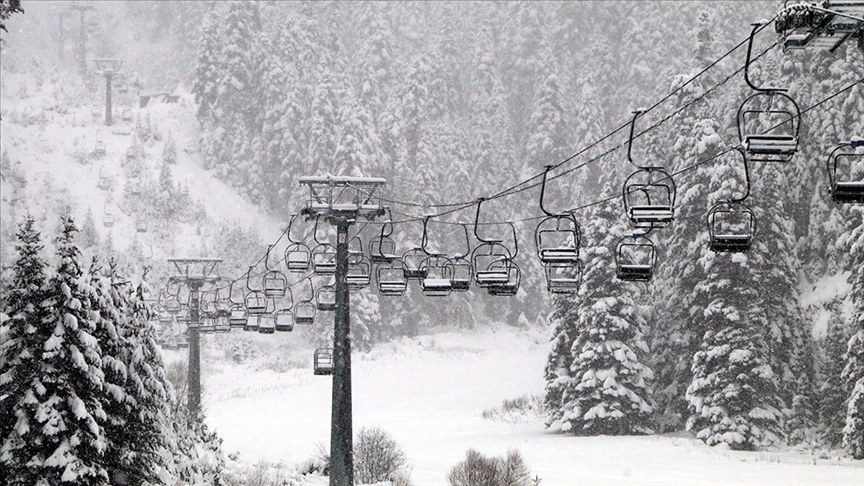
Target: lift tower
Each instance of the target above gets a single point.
(342, 201)
(194, 273)
(82, 8)
(108, 68)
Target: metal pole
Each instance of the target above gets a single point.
(108, 76)
(341, 428)
(194, 376)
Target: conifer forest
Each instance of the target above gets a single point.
(261, 242)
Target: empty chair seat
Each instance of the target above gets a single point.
(651, 214)
(770, 144)
(323, 361)
(635, 273)
(731, 243)
(848, 192)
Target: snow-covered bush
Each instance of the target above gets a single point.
(377, 457)
(479, 470)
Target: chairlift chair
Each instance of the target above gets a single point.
(283, 320)
(731, 227)
(266, 323)
(635, 257)
(208, 324)
(768, 121)
(510, 287)
(846, 172)
(275, 283)
(411, 261)
(132, 153)
(563, 278)
(324, 259)
(95, 111)
(223, 321)
(391, 278)
(557, 236)
(304, 310)
(298, 257)
(104, 183)
(382, 248)
(323, 361)
(107, 217)
(126, 115)
(438, 279)
(99, 149)
(486, 257)
(141, 225)
(256, 300)
(359, 271)
(649, 192)
(237, 316)
(463, 272)
(731, 224)
(325, 298)
(183, 341)
(252, 323)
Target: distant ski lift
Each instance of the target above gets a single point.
(99, 149)
(391, 278)
(95, 111)
(323, 361)
(635, 257)
(304, 310)
(132, 152)
(141, 225)
(107, 217)
(274, 282)
(769, 121)
(104, 183)
(438, 276)
(126, 115)
(325, 298)
(846, 172)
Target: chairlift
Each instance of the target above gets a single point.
(769, 121)
(463, 272)
(438, 276)
(132, 152)
(297, 254)
(823, 25)
(323, 361)
(323, 255)
(382, 248)
(252, 323)
(325, 298)
(635, 257)
(731, 224)
(509, 287)
(104, 182)
(304, 310)
(275, 283)
(183, 341)
(256, 301)
(99, 149)
(208, 324)
(95, 111)
(411, 263)
(236, 311)
(649, 192)
(391, 278)
(107, 217)
(846, 172)
(359, 271)
(283, 320)
(141, 225)
(485, 256)
(563, 278)
(557, 237)
(223, 321)
(266, 323)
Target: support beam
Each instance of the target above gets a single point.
(194, 366)
(341, 431)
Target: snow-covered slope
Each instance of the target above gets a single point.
(54, 155)
(430, 392)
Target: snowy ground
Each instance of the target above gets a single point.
(429, 393)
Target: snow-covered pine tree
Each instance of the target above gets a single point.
(21, 346)
(150, 393)
(833, 392)
(109, 309)
(853, 373)
(608, 387)
(58, 435)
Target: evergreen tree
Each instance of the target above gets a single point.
(853, 373)
(207, 75)
(21, 346)
(607, 387)
(833, 392)
(58, 434)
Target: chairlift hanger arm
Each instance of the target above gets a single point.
(756, 27)
(636, 114)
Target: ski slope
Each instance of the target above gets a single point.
(429, 392)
